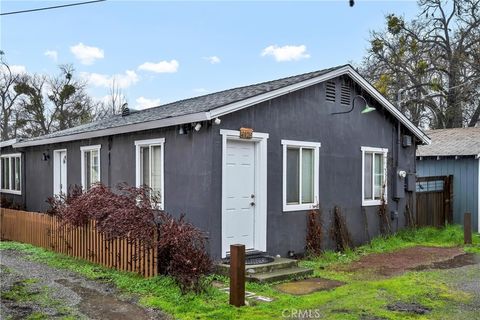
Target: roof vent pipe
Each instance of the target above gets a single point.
(125, 110)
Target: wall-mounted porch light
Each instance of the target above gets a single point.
(366, 109)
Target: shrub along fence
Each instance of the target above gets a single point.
(84, 242)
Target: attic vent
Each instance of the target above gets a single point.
(345, 94)
(125, 111)
(330, 91)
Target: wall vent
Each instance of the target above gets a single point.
(330, 91)
(345, 94)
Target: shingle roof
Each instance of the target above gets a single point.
(188, 106)
(452, 142)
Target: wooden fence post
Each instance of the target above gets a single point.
(237, 275)
(467, 228)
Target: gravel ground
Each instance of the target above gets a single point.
(71, 294)
(466, 279)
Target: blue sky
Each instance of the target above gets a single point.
(160, 51)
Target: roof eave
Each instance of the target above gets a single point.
(194, 117)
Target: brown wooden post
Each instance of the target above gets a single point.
(237, 275)
(467, 228)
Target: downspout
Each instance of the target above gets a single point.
(478, 195)
(109, 178)
(397, 162)
(23, 178)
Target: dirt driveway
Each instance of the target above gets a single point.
(34, 290)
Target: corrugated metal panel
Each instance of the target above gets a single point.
(465, 183)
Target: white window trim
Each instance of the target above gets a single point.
(147, 143)
(55, 171)
(9, 156)
(384, 151)
(316, 153)
(82, 161)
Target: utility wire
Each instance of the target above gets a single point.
(49, 8)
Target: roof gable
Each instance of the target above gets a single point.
(213, 105)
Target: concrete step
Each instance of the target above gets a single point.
(280, 275)
(277, 264)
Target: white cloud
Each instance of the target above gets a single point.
(14, 69)
(86, 54)
(286, 53)
(200, 90)
(52, 54)
(213, 59)
(160, 67)
(145, 103)
(125, 80)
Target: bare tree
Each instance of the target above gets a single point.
(431, 64)
(9, 97)
(54, 103)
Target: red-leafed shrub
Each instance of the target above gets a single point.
(182, 252)
(130, 213)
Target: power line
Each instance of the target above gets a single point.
(49, 8)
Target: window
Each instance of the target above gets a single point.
(149, 166)
(300, 175)
(90, 165)
(11, 173)
(374, 175)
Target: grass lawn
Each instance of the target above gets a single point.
(357, 299)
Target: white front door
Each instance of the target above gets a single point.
(240, 196)
(60, 172)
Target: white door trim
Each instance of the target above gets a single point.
(260, 233)
(56, 164)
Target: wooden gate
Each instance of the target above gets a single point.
(434, 201)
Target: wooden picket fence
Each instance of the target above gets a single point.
(85, 242)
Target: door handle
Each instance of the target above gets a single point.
(252, 204)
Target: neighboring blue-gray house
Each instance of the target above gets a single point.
(455, 152)
(310, 145)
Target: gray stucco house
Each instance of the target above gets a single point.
(455, 152)
(304, 143)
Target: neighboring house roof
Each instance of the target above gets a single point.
(210, 106)
(7, 143)
(452, 142)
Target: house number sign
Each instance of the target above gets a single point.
(246, 133)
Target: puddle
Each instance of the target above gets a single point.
(461, 260)
(97, 305)
(409, 307)
(308, 286)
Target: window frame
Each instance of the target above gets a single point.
(374, 150)
(315, 146)
(10, 156)
(149, 143)
(84, 149)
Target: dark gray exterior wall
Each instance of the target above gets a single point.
(193, 166)
(305, 116)
(187, 169)
(465, 183)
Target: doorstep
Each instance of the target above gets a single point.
(280, 269)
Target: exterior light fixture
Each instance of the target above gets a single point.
(217, 121)
(198, 126)
(45, 156)
(367, 108)
(181, 130)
